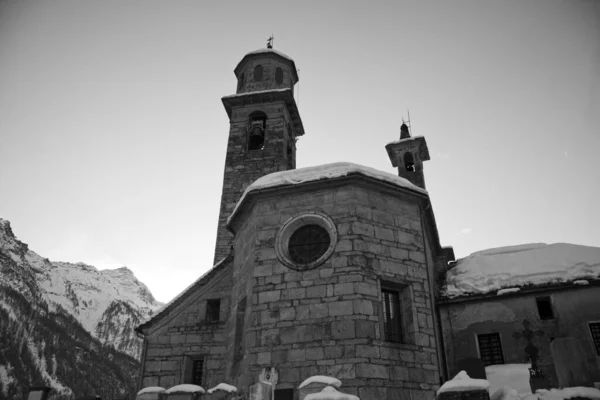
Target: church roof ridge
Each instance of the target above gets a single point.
(320, 173)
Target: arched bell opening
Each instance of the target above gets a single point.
(257, 124)
(409, 163)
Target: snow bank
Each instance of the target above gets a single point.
(568, 393)
(513, 376)
(330, 393)
(327, 380)
(222, 386)
(185, 388)
(152, 389)
(322, 172)
(462, 381)
(505, 393)
(515, 266)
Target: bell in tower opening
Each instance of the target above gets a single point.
(256, 131)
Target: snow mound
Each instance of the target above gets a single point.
(152, 389)
(185, 388)
(524, 265)
(222, 386)
(508, 376)
(568, 393)
(322, 172)
(330, 393)
(508, 291)
(462, 381)
(327, 380)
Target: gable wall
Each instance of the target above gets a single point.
(185, 332)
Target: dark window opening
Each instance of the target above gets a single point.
(284, 394)
(409, 163)
(279, 75)
(308, 244)
(213, 310)
(595, 331)
(490, 349)
(544, 307)
(258, 72)
(197, 369)
(392, 324)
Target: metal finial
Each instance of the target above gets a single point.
(270, 42)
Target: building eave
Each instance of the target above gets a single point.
(265, 96)
(524, 290)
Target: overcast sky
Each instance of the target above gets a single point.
(113, 135)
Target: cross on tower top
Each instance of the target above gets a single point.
(270, 42)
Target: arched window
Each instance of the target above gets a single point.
(258, 72)
(279, 75)
(257, 124)
(409, 162)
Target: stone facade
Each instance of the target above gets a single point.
(329, 320)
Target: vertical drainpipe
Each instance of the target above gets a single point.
(438, 323)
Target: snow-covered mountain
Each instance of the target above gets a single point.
(109, 304)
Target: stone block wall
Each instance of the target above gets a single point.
(329, 320)
(242, 166)
(186, 333)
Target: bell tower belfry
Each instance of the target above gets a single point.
(408, 155)
(264, 124)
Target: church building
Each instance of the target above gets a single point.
(332, 270)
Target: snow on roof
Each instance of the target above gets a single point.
(322, 172)
(152, 389)
(330, 393)
(257, 92)
(523, 265)
(405, 140)
(185, 388)
(462, 381)
(568, 393)
(267, 51)
(508, 290)
(328, 380)
(222, 386)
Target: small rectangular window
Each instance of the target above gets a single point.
(595, 331)
(197, 369)
(544, 306)
(213, 310)
(490, 348)
(391, 314)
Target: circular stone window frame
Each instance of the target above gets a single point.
(282, 239)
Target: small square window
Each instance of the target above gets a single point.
(213, 310)
(544, 306)
(392, 325)
(490, 349)
(595, 331)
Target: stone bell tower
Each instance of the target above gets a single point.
(264, 124)
(408, 155)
